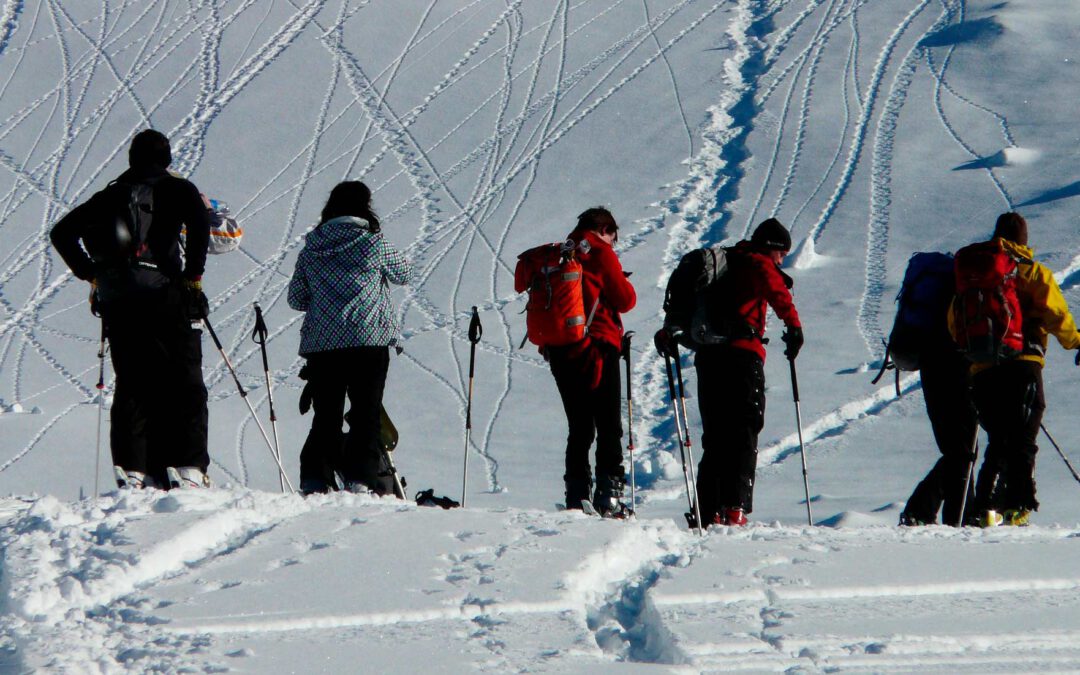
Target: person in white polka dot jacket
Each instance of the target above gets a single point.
(341, 283)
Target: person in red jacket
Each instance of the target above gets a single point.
(731, 376)
(587, 372)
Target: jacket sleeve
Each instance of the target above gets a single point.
(779, 297)
(299, 292)
(196, 219)
(1049, 308)
(66, 235)
(617, 289)
(396, 268)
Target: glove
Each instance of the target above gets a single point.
(1077, 361)
(95, 300)
(196, 306)
(793, 338)
(662, 340)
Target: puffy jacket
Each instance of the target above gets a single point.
(757, 284)
(342, 282)
(1042, 306)
(603, 279)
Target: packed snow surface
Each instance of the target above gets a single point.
(872, 128)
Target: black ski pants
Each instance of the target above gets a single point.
(359, 374)
(590, 414)
(946, 386)
(159, 416)
(731, 399)
(1010, 401)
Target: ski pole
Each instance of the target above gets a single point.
(259, 335)
(243, 395)
(475, 331)
(802, 447)
(691, 500)
(686, 437)
(100, 406)
(629, 418)
(973, 458)
(1063, 457)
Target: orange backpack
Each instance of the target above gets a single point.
(555, 312)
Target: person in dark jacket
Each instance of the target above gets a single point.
(731, 376)
(341, 283)
(587, 373)
(125, 241)
(946, 387)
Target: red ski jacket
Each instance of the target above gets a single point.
(758, 284)
(603, 279)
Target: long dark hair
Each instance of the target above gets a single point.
(350, 198)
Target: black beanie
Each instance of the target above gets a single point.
(149, 148)
(1013, 227)
(772, 235)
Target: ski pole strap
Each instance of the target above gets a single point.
(592, 313)
(886, 364)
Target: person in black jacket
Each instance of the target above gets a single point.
(125, 241)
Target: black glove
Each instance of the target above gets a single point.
(196, 306)
(793, 338)
(662, 340)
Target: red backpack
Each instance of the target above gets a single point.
(555, 312)
(987, 323)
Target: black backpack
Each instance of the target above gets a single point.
(119, 243)
(922, 305)
(697, 303)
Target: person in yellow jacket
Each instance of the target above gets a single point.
(1009, 394)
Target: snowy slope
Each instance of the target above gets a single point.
(873, 128)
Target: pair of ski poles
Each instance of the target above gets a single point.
(259, 335)
(682, 433)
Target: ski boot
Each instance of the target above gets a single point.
(577, 492)
(187, 477)
(735, 517)
(1016, 517)
(909, 520)
(607, 501)
(132, 480)
(990, 518)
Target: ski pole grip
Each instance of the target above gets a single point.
(794, 381)
(213, 335)
(475, 329)
(259, 337)
(259, 334)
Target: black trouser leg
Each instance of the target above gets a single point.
(186, 408)
(1011, 401)
(362, 459)
(731, 398)
(947, 394)
(322, 448)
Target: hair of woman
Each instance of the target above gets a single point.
(350, 198)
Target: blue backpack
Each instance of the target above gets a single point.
(921, 324)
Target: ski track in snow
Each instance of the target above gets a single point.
(79, 571)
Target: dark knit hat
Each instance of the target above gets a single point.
(149, 148)
(1013, 227)
(771, 234)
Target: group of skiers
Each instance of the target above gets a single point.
(126, 241)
